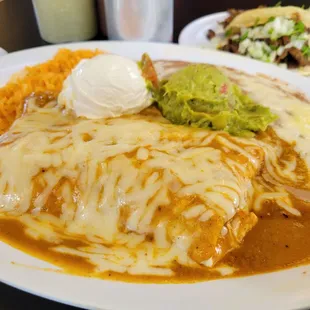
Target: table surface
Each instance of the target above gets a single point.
(18, 30)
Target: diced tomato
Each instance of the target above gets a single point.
(224, 89)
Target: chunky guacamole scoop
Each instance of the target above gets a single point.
(202, 96)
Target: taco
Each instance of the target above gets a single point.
(279, 35)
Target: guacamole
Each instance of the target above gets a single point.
(202, 96)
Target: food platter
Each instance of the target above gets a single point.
(287, 289)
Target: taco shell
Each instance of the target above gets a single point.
(261, 16)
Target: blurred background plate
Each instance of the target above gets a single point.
(195, 33)
(2, 51)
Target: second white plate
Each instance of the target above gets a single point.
(195, 33)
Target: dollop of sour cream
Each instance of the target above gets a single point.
(105, 86)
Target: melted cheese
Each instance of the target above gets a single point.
(141, 193)
(108, 180)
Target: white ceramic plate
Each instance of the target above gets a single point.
(2, 52)
(289, 289)
(195, 33)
